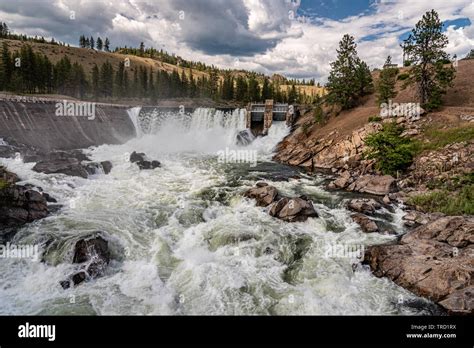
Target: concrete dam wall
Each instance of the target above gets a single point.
(33, 121)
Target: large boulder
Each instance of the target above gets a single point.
(297, 209)
(374, 184)
(244, 138)
(434, 261)
(142, 161)
(366, 224)
(19, 205)
(364, 205)
(68, 166)
(93, 256)
(264, 195)
(290, 209)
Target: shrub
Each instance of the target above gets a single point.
(391, 152)
(375, 119)
(438, 138)
(403, 76)
(3, 184)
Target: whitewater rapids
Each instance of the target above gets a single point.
(184, 240)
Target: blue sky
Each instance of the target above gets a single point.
(290, 37)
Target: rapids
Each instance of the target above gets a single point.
(185, 241)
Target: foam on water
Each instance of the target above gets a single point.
(185, 241)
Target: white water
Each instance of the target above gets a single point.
(185, 241)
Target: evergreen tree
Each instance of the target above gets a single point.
(253, 93)
(349, 78)
(292, 95)
(266, 90)
(386, 82)
(107, 45)
(95, 81)
(425, 47)
(213, 84)
(92, 43)
(241, 89)
(6, 67)
(100, 44)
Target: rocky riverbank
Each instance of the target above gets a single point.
(435, 258)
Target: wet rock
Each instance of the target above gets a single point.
(434, 261)
(374, 184)
(364, 205)
(297, 210)
(19, 205)
(366, 224)
(276, 207)
(94, 168)
(143, 162)
(244, 138)
(285, 208)
(68, 166)
(93, 255)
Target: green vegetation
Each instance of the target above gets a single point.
(425, 50)
(439, 138)
(447, 202)
(3, 184)
(386, 83)
(375, 119)
(350, 77)
(403, 77)
(391, 152)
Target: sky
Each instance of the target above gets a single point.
(295, 38)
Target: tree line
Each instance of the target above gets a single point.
(26, 71)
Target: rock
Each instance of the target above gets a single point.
(94, 168)
(364, 205)
(343, 181)
(276, 207)
(434, 261)
(374, 184)
(415, 218)
(19, 205)
(68, 166)
(244, 138)
(264, 195)
(106, 166)
(297, 210)
(284, 208)
(143, 162)
(8, 177)
(93, 255)
(409, 133)
(386, 200)
(365, 223)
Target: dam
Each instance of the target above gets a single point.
(34, 121)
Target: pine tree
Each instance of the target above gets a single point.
(425, 47)
(292, 95)
(253, 93)
(95, 81)
(349, 78)
(100, 44)
(92, 43)
(386, 82)
(266, 90)
(6, 68)
(107, 45)
(241, 89)
(213, 84)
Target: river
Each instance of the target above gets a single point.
(184, 240)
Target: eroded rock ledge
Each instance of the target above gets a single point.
(435, 261)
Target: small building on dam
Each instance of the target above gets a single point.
(260, 116)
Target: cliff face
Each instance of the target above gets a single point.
(34, 122)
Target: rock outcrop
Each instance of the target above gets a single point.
(296, 209)
(434, 261)
(18, 205)
(93, 256)
(142, 161)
